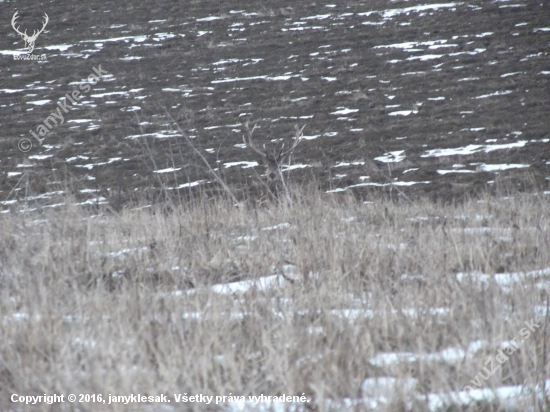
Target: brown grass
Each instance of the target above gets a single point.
(106, 303)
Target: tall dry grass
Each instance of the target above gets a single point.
(122, 303)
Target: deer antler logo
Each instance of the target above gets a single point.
(29, 40)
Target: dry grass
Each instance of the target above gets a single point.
(123, 303)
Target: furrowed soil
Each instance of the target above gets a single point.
(385, 90)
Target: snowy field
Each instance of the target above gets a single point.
(339, 305)
(408, 270)
(443, 99)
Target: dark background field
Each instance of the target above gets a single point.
(189, 67)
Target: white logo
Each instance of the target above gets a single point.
(29, 40)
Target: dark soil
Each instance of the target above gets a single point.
(334, 64)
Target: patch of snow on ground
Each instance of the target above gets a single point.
(392, 157)
(448, 355)
(495, 168)
(471, 149)
(262, 284)
(504, 280)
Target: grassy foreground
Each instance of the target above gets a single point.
(421, 294)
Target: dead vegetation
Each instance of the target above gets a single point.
(118, 303)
